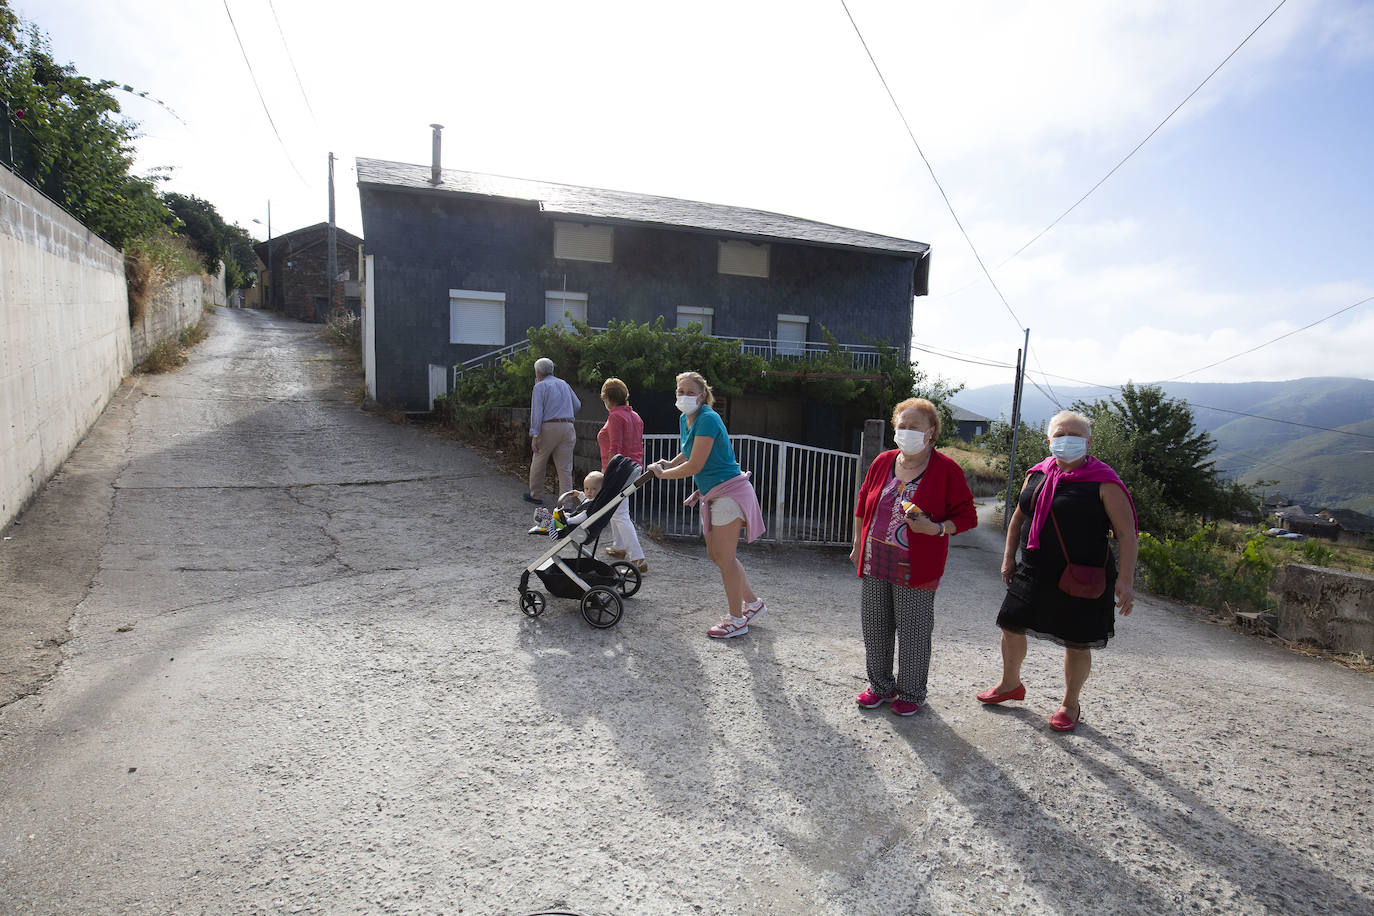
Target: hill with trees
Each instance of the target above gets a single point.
(1263, 431)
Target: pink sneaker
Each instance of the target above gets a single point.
(870, 700)
(754, 610)
(905, 707)
(729, 626)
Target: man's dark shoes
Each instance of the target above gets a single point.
(533, 499)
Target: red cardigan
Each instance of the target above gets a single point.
(943, 493)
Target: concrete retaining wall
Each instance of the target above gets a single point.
(174, 306)
(64, 337)
(1329, 607)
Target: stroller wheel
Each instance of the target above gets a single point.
(532, 603)
(601, 607)
(627, 578)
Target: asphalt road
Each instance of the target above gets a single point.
(269, 659)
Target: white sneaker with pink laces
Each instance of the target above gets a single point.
(729, 626)
(754, 610)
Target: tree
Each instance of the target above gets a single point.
(64, 133)
(1156, 437)
(213, 239)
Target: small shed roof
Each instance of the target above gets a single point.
(598, 205)
(966, 416)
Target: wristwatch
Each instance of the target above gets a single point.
(943, 532)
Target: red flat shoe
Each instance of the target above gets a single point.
(1061, 722)
(992, 696)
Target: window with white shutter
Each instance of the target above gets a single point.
(688, 314)
(476, 317)
(583, 242)
(743, 259)
(561, 307)
(792, 334)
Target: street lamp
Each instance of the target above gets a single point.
(271, 279)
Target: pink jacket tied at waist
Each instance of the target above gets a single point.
(741, 491)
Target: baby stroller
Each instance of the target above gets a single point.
(569, 568)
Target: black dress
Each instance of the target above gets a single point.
(1034, 603)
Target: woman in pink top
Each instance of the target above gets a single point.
(623, 434)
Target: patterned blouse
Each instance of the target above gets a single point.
(885, 551)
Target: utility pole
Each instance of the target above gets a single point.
(333, 238)
(271, 277)
(1015, 428)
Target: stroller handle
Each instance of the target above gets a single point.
(643, 479)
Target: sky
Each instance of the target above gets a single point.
(1247, 216)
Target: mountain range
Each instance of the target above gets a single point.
(1311, 439)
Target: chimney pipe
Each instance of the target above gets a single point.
(436, 172)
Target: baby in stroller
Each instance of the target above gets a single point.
(571, 508)
(569, 568)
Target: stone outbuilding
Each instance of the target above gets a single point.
(296, 283)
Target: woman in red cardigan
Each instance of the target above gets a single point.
(912, 500)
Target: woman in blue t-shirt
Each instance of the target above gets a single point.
(727, 499)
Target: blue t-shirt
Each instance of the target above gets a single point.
(720, 465)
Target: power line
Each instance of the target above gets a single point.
(1157, 127)
(1239, 413)
(254, 77)
(292, 61)
(962, 358)
(929, 167)
(1276, 339)
(1052, 396)
(1133, 151)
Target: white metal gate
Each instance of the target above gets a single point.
(806, 493)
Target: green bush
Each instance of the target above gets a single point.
(1316, 553)
(648, 357)
(1205, 569)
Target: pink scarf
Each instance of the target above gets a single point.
(1091, 471)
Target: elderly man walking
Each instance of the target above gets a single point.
(552, 434)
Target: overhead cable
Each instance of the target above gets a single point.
(292, 61)
(1156, 129)
(1127, 157)
(1276, 339)
(265, 111)
(929, 167)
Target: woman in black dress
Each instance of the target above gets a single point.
(1068, 503)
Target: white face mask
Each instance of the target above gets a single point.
(910, 441)
(1069, 448)
(688, 403)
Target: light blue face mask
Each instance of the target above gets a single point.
(1069, 448)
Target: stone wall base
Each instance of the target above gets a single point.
(1329, 607)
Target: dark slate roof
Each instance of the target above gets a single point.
(345, 239)
(1351, 520)
(594, 204)
(966, 416)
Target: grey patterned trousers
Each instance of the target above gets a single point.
(894, 614)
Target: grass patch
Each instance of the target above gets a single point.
(169, 353)
(165, 356)
(153, 260)
(986, 475)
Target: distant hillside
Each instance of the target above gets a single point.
(1313, 467)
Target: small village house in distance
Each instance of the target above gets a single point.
(459, 264)
(292, 277)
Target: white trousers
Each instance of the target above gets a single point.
(623, 532)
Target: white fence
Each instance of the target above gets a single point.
(806, 493)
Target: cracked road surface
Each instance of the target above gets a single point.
(296, 679)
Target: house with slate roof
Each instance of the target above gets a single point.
(459, 264)
(297, 284)
(968, 424)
